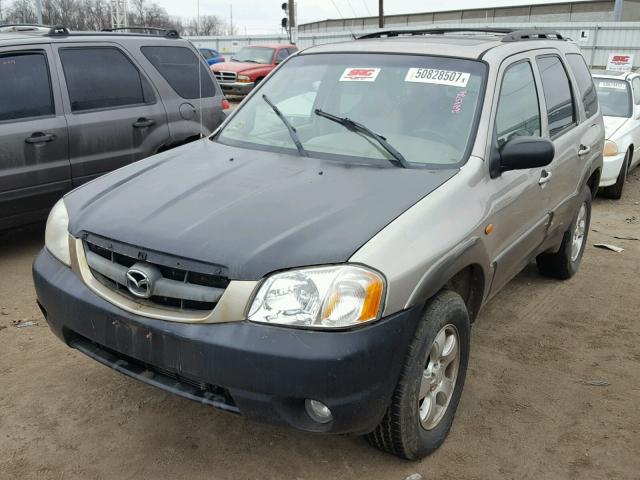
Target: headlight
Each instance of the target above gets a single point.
(324, 297)
(244, 79)
(610, 148)
(56, 236)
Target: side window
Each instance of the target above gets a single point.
(557, 94)
(636, 90)
(282, 55)
(179, 67)
(585, 83)
(25, 90)
(518, 107)
(102, 77)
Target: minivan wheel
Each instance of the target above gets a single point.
(427, 394)
(565, 263)
(615, 191)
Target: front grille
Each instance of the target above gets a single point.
(226, 77)
(173, 285)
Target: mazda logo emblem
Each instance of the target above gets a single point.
(139, 283)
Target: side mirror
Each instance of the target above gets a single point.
(521, 153)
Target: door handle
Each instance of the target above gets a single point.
(40, 137)
(144, 122)
(583, 150)
(544, 178)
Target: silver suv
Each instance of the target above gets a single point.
(319, 259)
(76, 105)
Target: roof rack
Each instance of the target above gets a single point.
(155, 31)
(509, 34)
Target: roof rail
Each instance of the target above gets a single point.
(532, 34)
(156, 31)
(509, 34)
(433, 31)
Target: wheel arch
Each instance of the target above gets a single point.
(466, 271)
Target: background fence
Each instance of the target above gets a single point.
(596, 40)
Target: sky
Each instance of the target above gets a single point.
(263, 16)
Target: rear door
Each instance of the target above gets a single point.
(575, 130)
(34, 155)
(114, 114)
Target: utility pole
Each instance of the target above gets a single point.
(39, 11)
(231, 19)
(293, 29)
(381, 13)
(617, 10)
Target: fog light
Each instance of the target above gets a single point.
(318, 411)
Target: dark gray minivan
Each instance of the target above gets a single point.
(76, 105)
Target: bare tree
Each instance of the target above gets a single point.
(96, 15)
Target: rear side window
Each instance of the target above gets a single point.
(557, 94)
(179, 67)
(101, 78)
(518, 107)
(25, 86)
(585, 83)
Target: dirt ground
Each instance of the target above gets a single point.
(553, 391)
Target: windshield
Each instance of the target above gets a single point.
(614, 97)
(254, 55)
(424, 107)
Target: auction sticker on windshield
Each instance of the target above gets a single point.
(360, 75)
(616, 85)
(437, 76)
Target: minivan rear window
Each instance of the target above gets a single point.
(179, 67)
(25, 87)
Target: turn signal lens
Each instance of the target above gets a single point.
(325, 297)
(610, 148)
(244, 79)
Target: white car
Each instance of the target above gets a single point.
(619, 97)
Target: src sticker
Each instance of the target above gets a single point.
(616, 85)
(360, 75)
(437, 76)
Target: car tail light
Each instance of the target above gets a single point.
(225, 104)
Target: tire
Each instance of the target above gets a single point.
(401, 431)
(615, 191)
(565, 263)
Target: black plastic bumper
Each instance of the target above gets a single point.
(261, 371)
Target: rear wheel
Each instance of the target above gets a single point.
(615, 191)
(565, 263)
(430, 386)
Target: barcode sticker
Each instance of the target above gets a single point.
(437, 76)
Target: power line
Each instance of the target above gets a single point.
(366, 7)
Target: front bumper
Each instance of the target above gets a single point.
(611, 169)
(236, 88)
(263, 372)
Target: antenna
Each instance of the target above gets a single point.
(199, 67)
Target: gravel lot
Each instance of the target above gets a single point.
(553, 391)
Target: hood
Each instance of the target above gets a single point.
(237, 67)
(252, 215)
(612, 125)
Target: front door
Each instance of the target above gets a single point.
(519, 209)
(34, 155)
(113, 112)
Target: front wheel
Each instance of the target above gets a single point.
(565, 263)
(430, 386)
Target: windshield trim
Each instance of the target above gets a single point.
(473, 136)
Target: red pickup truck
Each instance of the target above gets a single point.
(249, 66)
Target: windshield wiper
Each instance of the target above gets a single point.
(353, 126)
(292, 131)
